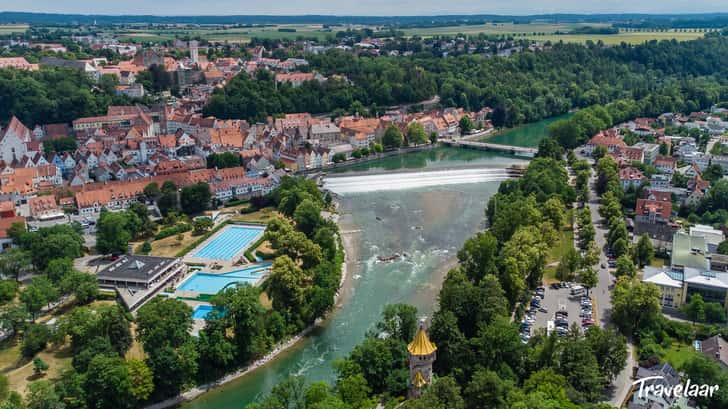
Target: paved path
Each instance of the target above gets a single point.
(622, 385)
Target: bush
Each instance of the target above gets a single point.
(35, 339)
(171, 231)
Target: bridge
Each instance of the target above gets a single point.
(485, 146)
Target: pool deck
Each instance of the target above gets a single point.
(238, 260)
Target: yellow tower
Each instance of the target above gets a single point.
(421, 355)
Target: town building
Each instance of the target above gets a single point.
(137, 279)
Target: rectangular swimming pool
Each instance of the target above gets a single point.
(229, 242)
(206, 283)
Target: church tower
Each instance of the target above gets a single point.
(421, 355)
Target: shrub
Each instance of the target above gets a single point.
(171, 231)
(35, 339)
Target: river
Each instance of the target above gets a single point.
(425, 205)
(528, 135)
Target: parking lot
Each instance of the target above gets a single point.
(553, 300)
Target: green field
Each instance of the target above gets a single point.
(497, 29)
(547, 32)
(233, 35)
(629, 38)
(12, 28)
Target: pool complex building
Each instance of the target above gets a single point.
(230, 241)
(207, 283)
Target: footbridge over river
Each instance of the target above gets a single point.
(485, 146)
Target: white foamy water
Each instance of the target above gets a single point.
(343, 185)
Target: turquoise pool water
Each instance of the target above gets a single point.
(201, 311)
(231, 241)
(206, 283)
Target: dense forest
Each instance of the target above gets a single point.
(529, 86)
(54, 95)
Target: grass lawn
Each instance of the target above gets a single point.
(679, 353)
(261, 216)
(169, 246)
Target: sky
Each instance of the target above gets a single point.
(362, 7)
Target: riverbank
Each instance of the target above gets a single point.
(348, 235)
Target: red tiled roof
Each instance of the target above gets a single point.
(661, 208)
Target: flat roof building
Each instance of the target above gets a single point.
(138, 278)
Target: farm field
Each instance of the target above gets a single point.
(236, 34)
(623, 37)
(12, 28)
(497, 28)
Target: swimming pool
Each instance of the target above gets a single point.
(229, 242)
(201, 311)
(206, 283)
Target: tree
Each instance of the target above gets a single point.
(39, 366)
(243, 314)
(578, 364)
(202, 224)
(599, 152)
(114, 230)
(550, 148)
(216, 350)
(42, 396)
(610, 350)
(466, 125)
(634, 304)
(142, 383)
(35, 339)
(308, 217)
(8, 290)
(286, 285)
(625, 267)
(13, 262)
(723, 247)
(83, 286)
(195, 198)
(714, 313)
(588, 278)
(38, 294)
(553, 211)
(570, 262)
(108, 384)
(173, 330)
(392, 138)
(433, 137)
(151, 191)
(338, 157)
(695, 308)
(478, 256)
(487, 390)
(416, 134)
(643, 251)
(399, 321)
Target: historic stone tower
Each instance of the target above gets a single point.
(421, 355)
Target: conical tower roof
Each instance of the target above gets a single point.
(421, 344)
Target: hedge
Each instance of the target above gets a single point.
(171, 231)
(249, 251)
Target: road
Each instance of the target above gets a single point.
(622, 385)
